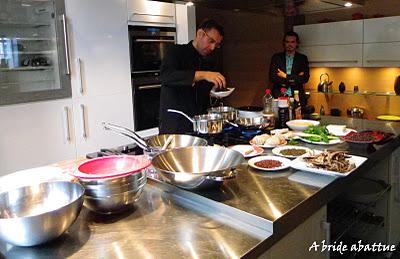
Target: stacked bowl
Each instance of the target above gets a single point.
(114, 183)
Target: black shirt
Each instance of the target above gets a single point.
(177, 90)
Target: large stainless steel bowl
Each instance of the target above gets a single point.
(38, 213)
(197, 167)
(177, 141)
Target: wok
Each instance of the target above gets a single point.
(259, 122)
(197, 167)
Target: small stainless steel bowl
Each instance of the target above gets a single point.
(35, 214)
(114, 203)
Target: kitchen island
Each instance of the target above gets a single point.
(254, 215)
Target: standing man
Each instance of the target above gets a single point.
(187, 78)
(289, 69)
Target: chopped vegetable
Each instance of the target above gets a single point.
(318, 134)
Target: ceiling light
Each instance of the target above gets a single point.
(348, 4)
(189, 4)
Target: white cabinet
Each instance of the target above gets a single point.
(347, 32)
(146, 11)
(90, 112)
(337, 44)
(382, 54)
(100, 73)
(334, 55)
(36, 134)
(99, 47)
(385, 29)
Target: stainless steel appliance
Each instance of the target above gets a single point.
(148, 46)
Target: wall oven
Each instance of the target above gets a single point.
(148, 46)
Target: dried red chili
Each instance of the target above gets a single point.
(268, 163)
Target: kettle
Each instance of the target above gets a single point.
(324, 84)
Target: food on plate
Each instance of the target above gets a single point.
(268, 163)
(260, 139)
(293, 152)
(366, 136)
(275, 140)
(318, 134)
(279, 131)
(248, 152)
(331, 160)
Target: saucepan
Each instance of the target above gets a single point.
(197, 167)
(204, 124)
(253, 123)
(228, 113)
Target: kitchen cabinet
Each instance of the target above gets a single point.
(334, 55)
(382, 54)
(36, 134)
(142, 12)
(386, 29)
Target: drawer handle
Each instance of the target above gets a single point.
(67, 134)
(84, 126)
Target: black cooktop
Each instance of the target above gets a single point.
(230, 136)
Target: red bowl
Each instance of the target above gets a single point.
(111, 166)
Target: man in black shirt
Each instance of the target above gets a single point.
(187, 78)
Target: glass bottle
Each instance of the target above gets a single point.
(267, 102)
(297, 106)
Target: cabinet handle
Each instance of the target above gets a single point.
(148, 40)
(334, 61)
(66, 47)
(160, 15)
(79, 65)
(84, 126)
(146, 87)
(67, 134)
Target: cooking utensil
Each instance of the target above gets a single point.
(197, 167)
(128, 133)
(324, 84)
(259, 122)
(166, 143)
(38, 213)
(221, 94)
(355, 112)
(249, 111)
(228, 113)
(204, 124)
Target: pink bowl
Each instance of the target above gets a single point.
(111, 166)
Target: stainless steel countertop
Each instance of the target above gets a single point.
(245, 217)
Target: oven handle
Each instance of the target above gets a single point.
(151, 40)
(146, 87)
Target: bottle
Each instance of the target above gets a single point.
(291, 109)
(268, 102)
(283, 92)
(283, 112)
(297, 106)
(322, 111)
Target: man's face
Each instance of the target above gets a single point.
(208, 41)
(290, 44)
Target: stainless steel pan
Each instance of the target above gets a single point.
(228, 113)
(204, 124)
(197, 167)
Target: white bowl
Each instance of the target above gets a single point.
(222, 94)
(300, 125)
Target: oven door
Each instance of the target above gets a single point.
(148, 47)
(146, 106)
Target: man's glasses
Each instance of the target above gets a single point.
(212, 41)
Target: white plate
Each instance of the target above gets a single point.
(277, 150)
(300, 164)
(344, 133)
(331, 142)
(285, 162)
(244, 148)
(222, 94)
(300, 125)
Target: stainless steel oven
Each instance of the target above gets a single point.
(148, 46)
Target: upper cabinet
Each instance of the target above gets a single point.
(335, 33)
(360, 43)
(382, 42)
(157, 13)
(337, 44)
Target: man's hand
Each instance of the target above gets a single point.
(281, 74)
(301, 74)
(213, 77)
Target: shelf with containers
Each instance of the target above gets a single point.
(34, 62)
(360, 93)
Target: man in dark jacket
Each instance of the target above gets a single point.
(187, 78)
(289, 69)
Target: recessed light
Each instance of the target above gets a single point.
(348, 4)
(189, 4)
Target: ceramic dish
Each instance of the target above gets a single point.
(331, 142)
(277, 151)
(388, 117)
(248, 150)
(222, 94)
(339, 130)
(285, 163)
(300, 125)
(300, 164)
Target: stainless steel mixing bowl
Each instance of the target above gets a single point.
(177, 141)
(197, 167)
(38, 213)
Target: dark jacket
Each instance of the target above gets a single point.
(295, 81)
(177, 90)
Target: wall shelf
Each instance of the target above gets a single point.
(360, 93)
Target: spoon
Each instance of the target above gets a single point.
(167, 142)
